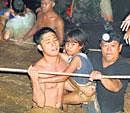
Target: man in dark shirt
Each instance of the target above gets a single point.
(110, 92)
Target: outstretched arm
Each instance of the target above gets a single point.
(110, 84)
(126, 23)
(70, 69)
(60, 30)
(125, 26)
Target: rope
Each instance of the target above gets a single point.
(12, 70)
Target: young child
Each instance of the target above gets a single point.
(79, 63)
(47, 97)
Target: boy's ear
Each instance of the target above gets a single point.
(81, 46)
(39, 47)
(120, 48)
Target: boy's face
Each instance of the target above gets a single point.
(50, 44)
(72, 47)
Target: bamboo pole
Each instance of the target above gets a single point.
(29, 43)
(12, 70)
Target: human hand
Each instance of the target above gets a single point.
(89, 90)
(127, 37)
(125, 24)
(58, 105)
(38, 9)
(33, 72)
(20, 41)
(95, 75)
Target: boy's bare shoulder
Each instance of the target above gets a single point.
(39, 63)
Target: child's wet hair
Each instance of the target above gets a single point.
(18, 6)
(78, 35)
(37, 37)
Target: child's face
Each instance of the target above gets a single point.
(72, 47)
(50, 44)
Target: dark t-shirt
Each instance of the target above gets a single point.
(109, 101)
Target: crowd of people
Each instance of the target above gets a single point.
(103, 90)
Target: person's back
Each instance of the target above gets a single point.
(22, 21)
(20, 25)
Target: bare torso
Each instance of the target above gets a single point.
(53, 21)
(53, 91)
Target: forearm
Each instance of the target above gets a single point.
(30, 33)
(7, 34)
(38, 94)
(71, 98)
(60, 94)
(112, 84)
(76, 98)
(53, 79)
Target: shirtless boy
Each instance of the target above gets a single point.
(46, 17)
(47, 96)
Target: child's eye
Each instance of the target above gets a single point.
(55, 40)
(73, 44)
(47, 42)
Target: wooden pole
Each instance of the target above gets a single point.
(12, 70)
(29, 43)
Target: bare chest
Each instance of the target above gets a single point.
(47, 22)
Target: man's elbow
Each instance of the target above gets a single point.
(118, 88)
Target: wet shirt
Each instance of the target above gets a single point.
(20, 25)
(110, 102)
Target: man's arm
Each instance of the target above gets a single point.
(60, 29)
(38, 93)
(106, 10)
(53, 79)
(7, 34)
(110, 84)
(70, 69)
